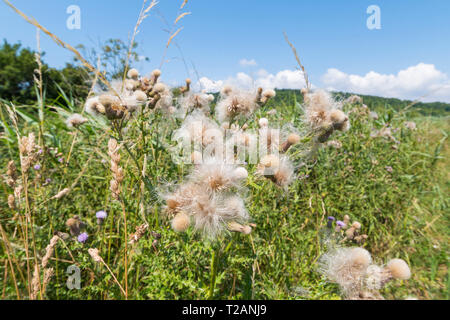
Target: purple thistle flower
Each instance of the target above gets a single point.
(330, 222)
(83, 237)
(37, 167)
(101, 215)
(340, 224)
(48, 180)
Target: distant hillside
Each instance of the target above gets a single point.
(373, 102)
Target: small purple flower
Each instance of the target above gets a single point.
(37, 167)
(330, 222)
(101, 215)
(389, 169)
(48, 180)
(340, 224)
(83, 237)
(40, 151)
(60, 160)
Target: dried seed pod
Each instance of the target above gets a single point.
(74, 226)
(181, 222)
(236, 227)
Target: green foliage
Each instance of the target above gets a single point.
(17, 70)
(404, 212)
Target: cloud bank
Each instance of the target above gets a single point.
(286, 79)
(422, 81)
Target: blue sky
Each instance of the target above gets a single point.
(408, 57)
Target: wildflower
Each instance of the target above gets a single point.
(181, 222)
(112, 105)
(346, 267)
(193, 101)
(278, 169)
(339, 120)
(94, 107)
(389, 169)
(264, 96)
(37, 167)
(74, 225)
(75, 120)
(187, 87)
(352, 231)
(340, 225)
(133, 74)
(330, 222)
(60, 160)
(236, 104)
(354, 99)
(236, 227)
(212, 213)
(82, 238)
(346, 220)
(399, 269)
(411, 125)
(217, 175)
(373, 115)
(291, 140)
(324, 114)
(197, 128)
(140, 96)
(101, 215)
(263, 122)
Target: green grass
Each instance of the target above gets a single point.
(404, 213)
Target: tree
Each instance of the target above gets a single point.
(17, 70)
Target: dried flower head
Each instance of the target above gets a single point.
(278, 169)
(324, 114)
(263, 122)
(133, 74)
(346, 267)
(236, 104)
(181, 222)
(399, 269)
(75, 120)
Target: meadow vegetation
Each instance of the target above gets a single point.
(93, 182)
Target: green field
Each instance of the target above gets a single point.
(397, 191)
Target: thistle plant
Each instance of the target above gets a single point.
(221, 224)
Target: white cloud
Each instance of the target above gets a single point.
(421, 80)
(286, 79)
(248, 63)
(209, 85)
